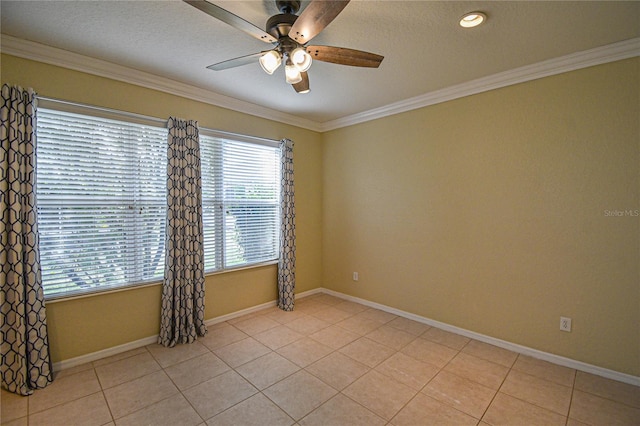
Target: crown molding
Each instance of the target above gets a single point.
(587, 58)
(54, 56)
(63, 58)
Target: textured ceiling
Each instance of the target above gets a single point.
(424, 48)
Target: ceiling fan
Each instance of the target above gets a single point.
(289, 34)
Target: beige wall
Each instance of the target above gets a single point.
(86, 325)
(488, 213)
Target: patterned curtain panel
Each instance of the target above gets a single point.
(182, 317)
(287, 262)
(25, 347)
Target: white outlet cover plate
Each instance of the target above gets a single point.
(565, 324)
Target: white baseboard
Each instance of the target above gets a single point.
(534, 353)
(94, 356)
(239, 313)
(555, 359)
(256, 308)
(115, 350)
(308, 293)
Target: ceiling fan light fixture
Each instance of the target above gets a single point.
(472, 19)
(303, 86)
(301, 59)
(288, 34)
(270, 61)
(292, 74)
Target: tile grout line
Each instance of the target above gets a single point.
(180, 391)
(418, 392)
(499, 387)
(435, 375)
(531, 402)
(544, 380)
(333, 351)
(573, 388)
(252, 315)
(102, 389)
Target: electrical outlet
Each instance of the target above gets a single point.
(565, 324)
(355, 276)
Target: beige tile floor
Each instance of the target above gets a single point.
(330, 362)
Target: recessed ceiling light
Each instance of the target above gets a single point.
(472, 19)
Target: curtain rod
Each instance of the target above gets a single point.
(147, 119)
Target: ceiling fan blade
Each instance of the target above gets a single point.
(303, 85)
(235, 62)
(231, 19)
(344, 56)
(314, 18)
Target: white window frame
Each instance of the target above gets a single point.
(220, 204)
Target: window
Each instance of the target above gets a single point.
(241, 199)
(101, 190)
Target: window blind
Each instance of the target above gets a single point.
(241, 197)
(101, 191)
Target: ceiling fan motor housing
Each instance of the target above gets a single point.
(280, 25)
